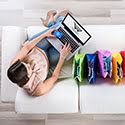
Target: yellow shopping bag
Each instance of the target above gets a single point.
(117, 73)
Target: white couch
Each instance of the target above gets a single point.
(66, 96)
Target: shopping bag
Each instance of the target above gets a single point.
(105, 63)
(123, 62)
(78, 67)
(117, 73)
(91, 61)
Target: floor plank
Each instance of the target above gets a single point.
(20, 122)
(83, 122)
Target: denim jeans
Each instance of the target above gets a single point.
(51, 52)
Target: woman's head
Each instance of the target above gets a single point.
(19, 73)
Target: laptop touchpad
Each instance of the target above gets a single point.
(55, 42)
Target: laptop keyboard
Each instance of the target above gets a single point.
(67, 39)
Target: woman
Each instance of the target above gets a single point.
(29, 68)
(51, 22)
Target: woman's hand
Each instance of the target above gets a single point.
(65, 50)
(49, 33)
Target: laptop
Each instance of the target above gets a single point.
(71, 32)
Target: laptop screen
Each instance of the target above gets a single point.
(76, 29)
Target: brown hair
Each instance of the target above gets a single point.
(17, 73)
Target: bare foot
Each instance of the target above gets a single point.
(49, 17)
(63, 13)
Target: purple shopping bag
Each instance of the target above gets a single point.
(105, 63)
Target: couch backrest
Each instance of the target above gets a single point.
(111, 37)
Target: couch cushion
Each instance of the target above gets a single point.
(12, 38)
(63, 98)
(103, 97)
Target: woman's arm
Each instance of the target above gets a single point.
(30, 44)
(45, 86)
(64, 52)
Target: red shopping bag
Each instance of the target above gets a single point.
(123, 63)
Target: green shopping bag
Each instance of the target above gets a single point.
(78, 67)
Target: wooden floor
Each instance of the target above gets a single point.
(27, 12)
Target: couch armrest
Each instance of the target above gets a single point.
(12, 38)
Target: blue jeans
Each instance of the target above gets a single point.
(51, 52)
